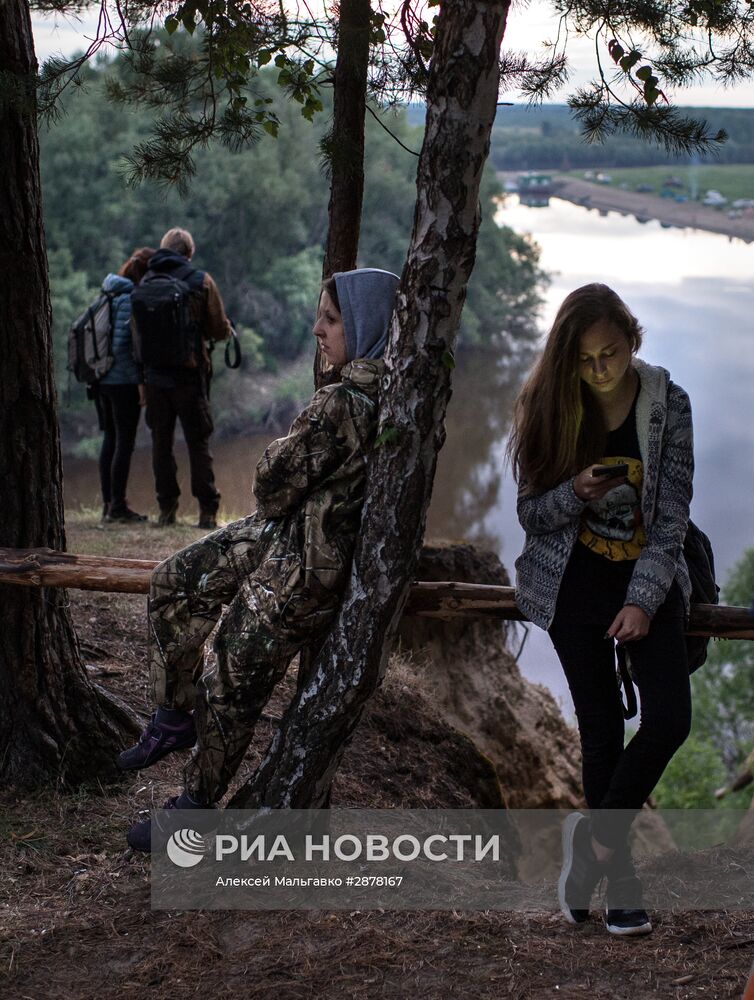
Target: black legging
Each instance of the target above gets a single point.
(118, 408)
(616, 777)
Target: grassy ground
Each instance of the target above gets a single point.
(75, 916)
(731, 180)
(87, 535)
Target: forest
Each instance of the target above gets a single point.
(549, 137)
(259, 219)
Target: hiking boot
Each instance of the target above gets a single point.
(160, 738)
(147, 836)
(122, 514)
(207, 520)
(167, 514)
(581, 871)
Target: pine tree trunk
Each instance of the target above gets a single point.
(346, 144)
(53, 726)
(347, 137)
(307, 748)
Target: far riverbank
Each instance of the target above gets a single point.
(683, 215)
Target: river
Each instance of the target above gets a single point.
(694, 295)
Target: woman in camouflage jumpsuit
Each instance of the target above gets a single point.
(280, 572)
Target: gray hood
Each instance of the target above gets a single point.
(366, 298)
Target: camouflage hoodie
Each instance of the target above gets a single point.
(309, 488)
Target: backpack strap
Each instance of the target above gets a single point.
(195, 280)
(193, 277)
(235, 344)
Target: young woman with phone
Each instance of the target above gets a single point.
(603, 563)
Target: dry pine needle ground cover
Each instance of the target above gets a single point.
(75, 917)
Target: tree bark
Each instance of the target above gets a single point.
(346, 146)
(347, 137)
(305, 752)
(52, 723)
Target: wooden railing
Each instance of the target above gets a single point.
(47, 568)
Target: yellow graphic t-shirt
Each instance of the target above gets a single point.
(612, 526)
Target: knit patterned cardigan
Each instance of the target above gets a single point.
(551, 520)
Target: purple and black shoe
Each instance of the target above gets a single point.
(167, 731)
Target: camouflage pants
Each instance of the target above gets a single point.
(247, 658)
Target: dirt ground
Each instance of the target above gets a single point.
(75, 917)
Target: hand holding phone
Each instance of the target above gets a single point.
(610, 471)
(593, 482)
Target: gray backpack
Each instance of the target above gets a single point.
(90, 341)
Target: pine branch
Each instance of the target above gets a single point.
(663, 125)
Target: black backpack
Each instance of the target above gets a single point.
(90, 341)
(166, 334)
(697, 551)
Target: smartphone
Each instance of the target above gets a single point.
(610, 471)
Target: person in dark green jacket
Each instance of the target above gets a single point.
(280, 572)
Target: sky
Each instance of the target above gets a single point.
(529, 25)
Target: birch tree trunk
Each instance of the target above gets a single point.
(461, 101)
(53, 727)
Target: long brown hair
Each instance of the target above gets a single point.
(136, 266)
(558, 427)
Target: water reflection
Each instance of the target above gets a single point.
(467, 486)
(235, 460)
(469, 472)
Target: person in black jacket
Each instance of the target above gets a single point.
(181, 391)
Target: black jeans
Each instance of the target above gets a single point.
(189, 404)
(616, 777)
(118, 410)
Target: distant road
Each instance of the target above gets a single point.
(688, 214)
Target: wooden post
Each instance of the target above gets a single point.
(444, 600)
